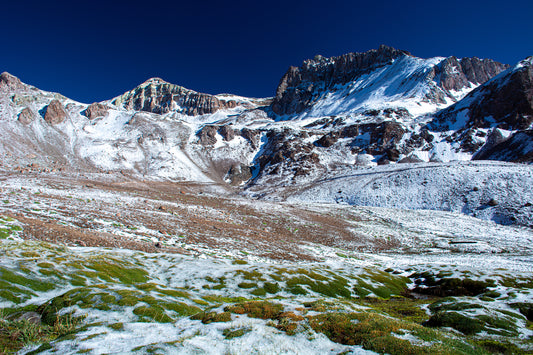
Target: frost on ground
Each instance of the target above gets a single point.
(191, 268)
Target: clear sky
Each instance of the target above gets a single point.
(95, 50)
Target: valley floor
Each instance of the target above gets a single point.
(164, 267)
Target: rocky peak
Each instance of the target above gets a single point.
(158, 96)
(10, 81)
(295, 90)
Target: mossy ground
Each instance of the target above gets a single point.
(371, 307)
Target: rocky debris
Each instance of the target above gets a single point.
(207, 135)
(297, 87)
(27, 116)
(285, 152)
(505, 102)
(10, 82)
(492, 202)
(518, 148)
(158, 96)
(227, 133)
(55, 113)
(238, 174)
(411, 159)
(96, 110)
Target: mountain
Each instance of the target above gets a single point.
(330, 124)
(378, 79)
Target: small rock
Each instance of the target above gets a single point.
(492, 202)
(31, 317)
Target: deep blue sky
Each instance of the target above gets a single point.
(95, 50)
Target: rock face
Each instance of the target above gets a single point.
(27, 116)
(505, 102)
(55, 113)
(158, 96)
(456, 74)
(96, 110)
(518, 148)
(295, 90)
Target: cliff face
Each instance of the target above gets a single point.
(157, 96)
(505, 102)
(297, 86)
(438, 79)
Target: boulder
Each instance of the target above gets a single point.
(55, 113)
(95, 110)
(27, 116)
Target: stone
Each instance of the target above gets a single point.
(55, 113)
(96, 110)
(27, 116)
(238, 174)
(411, 159)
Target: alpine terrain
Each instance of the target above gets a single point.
(377, 203)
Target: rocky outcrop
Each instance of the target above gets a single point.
(227, 133)
(55, 113)
(517, 148)
(505, 102)
(10, 82)
(158, 96)
(96, 110)
(299, 84)
(238, 174)
(207, 135)
(457, 74)
(26, 116)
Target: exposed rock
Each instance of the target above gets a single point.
(252, 136)
(55, 113)
(227, 133)
(158, 96)
(9, 81)
(96, 110)
(27, 116)
(411, 159)
(457, 74)
(505, 102)
(297, 87)
(517, 148)
(327, 140)
(207, 135)
(238, 174)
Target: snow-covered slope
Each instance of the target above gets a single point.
(329, 117)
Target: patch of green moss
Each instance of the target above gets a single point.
(399, 307)
(464, 324)
(247, 285)
(426, 283)
(31, 282)
(259, 292)
(256, 309)
(209, 317)
(252, 275)
(231, 333)
(376, 332)
(152, 313)
(239, 262)
(116, 326)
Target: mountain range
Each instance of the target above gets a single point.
(379, 128)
